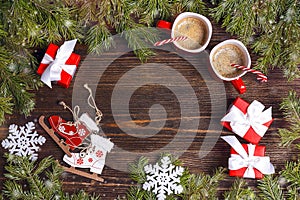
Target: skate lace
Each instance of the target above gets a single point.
(75, 113)
(92, 104)
(86, 150)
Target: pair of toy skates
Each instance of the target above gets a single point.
(93, 149)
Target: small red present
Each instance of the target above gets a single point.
(59, 64)
(249, 121)
(247, 160)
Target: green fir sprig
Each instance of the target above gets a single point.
(291, 111)
(291, 176)
(25, 25)
(6, 106)
(272, 28)
(102, 18)
(270, 188)
(28, 179)
(202, 186)
(37, 22)
(239, 190)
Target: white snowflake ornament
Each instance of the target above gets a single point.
(163, 179)
(23, 140)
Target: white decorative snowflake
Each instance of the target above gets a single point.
(163, 179)
(61, 128)
(23, 140)
(81, 132)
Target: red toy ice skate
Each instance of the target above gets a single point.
(73, 132)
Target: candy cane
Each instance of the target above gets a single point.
(260, 76)
(175, 39)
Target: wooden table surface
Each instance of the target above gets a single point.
(202, 112)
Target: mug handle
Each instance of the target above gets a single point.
(239, 85)
(164, 24)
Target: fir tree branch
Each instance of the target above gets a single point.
(81, 195)
(292, 174)
(202, 186)
(87, 10)
(293, 193)
(42, 180)
(291, 108)
(291, 111)
(153, 9)
(196, 6)
(136, 170)
(236, 14)
(137, 193)
(13, 190)
(270, 189)
(239, 190)
(138, 40)
(99, 39)
(12, 85)
(6, 107)
(36, 23)
(276, 23)
(26, 24)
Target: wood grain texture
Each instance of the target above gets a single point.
(117, 182)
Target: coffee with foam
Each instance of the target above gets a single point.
(226, 55)
(194, 29)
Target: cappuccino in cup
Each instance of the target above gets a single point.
(226, 53)
(196, 28)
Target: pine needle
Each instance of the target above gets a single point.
(292, 173)
(270, 189)
(6, 107)
(136, 170)
(137, 193)
(291, 111)
(99, 39)
(271, 27)
(26, 25)
(239, 190)
(202, 186)
(31, 180)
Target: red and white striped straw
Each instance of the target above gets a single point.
(260, 76)
(175, 39)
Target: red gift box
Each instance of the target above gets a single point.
(247, 160)
(250, 135)
(259, 151)
(66, 78)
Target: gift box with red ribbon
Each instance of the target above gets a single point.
(59, 64)
(247, 160)
(249, 121)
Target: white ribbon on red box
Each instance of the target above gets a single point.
(244, 159)
(255, 118)
(57, 64)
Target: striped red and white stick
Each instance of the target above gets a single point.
(260, 76)
(175, 39)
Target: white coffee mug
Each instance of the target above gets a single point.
(236, 81)
(206, 22)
